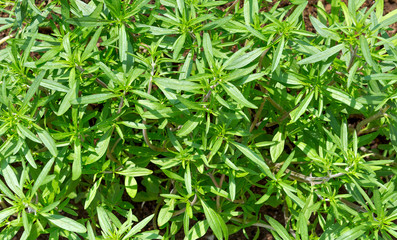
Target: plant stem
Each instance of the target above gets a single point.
(257, 115)
(364, 122)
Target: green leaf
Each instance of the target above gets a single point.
(365, 50)
(131, 186)
(4, 128)
(393, 134)
(95, 98)
(125, 49)
(33, 88)
(188, 179)
(5, 213)
(28, 155)
(76, 166)
(135, 172)
(4, 189)
(138, 227)
(92, 193)
(381, 77)
(352, 233)
(255, 158)
(278, 53)
(43, 174)
(278, 148)
(197, 231)
(65, 223)
(88, 22)
(27, 133)
(101, 147)
(234, 93)
(71, 94)
(109, 73)
(216, 23)
(48, 141)
(281, 231)
(91, 234)
(54, 86)
(190, 125)
(341, 96)
(215, 221)
(250, 10)
(11, 179)
(322, 56)
(207, 45)
(296, 113)
(91, 45)
(178, 46)
(166, 212)
(238, 61)
(104, 221)
(180, 85)
(135, 125)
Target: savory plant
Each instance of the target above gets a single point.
(206, 113)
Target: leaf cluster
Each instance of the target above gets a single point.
(210, 112)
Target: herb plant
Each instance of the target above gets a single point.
(209, 113)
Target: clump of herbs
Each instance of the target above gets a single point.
(210, 111)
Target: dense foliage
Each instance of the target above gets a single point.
(211, 111)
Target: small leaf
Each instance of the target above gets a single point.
(33, 88)
(179, 85)
(215, 221)
(135, 125)
(258, 160)
(190, 125)
(277, 54)
(278, 148)
(197, 231)
(296, 113)
(178, 46)
(188, 179)
(353, 233)
(43, 174)
(125, 49)
(92, 193)
(95, 98)
(234, 93)
(104, 221)
(341, 96)
(365, 50)
(88, 22)
(11, 179)
(54, 86)
(131, 186)
(101, 147)
(138, 227)
(76, 167)
(65, 223)
(244, 60)
(109, 73)
(27, 133)
(48, 141)
(166, 212)
(281, 231)
(5, 213)
(322, 56)
(91, 45)
(135, 172)
(4, 128)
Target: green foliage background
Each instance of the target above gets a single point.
(210, 110)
